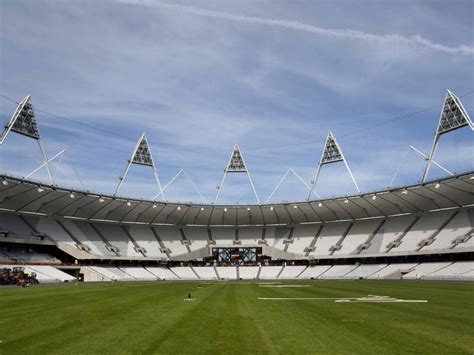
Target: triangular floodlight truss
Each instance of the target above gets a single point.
(23, 122)
(236, 164)
(142, 156)
(142, 153)
(289, 172)
(453, 116)
(182, 172)
(332, 153)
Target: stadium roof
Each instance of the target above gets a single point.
(23, 196)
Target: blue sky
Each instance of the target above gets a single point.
(273, 76)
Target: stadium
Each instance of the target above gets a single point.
(389, 270)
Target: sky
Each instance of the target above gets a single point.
(200, 76)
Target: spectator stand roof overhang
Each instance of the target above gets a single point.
(29, 197)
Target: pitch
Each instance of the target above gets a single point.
(236, 318)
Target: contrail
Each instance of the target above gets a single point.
(341, 34)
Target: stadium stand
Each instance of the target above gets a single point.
(392, 230)
(338, 271)
(269, 272)
(364, 271)
(184, 272)
(249, 272)
(197, 236)
(330, 235)
(357, 236)
(313, 272)
(393, 271)
(461, 270)
(421, 235)
(171, 239)
(145, 238)
(227, 272)
(205, 272)
(139, 273)
(291, 272)
(162, 273)
(46, 274)
(425, 269)
(302, 237)
(422, 230)
(458, 227)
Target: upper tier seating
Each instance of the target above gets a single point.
(434, 232)
(13, 224)
(330, 235)
(250, 235)
(117, 237)
(223, 236)
(51, 228)
(197, 236)
(423, 229)
(303, 235)
(172, 239)
(392, 229)
(145, 238)
(86, 235)
(459, 226)
(358, 235)
(275, 236)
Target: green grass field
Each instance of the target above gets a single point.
(229, 318)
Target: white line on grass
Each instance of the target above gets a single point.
(368, 299)
(284, 286)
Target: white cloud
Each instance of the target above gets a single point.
(340, 34)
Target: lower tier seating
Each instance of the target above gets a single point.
(461, 270)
